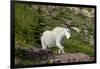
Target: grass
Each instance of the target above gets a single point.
(78, 47)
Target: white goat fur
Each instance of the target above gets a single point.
(55, 38)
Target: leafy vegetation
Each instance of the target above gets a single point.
(32, 20)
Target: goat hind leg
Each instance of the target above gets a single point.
(44, 46)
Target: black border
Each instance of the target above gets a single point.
(12, 34)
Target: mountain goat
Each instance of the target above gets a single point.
(55, 38)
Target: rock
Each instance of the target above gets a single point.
(70, 58)
(48, 57)
(34, 53)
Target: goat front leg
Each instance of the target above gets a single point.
(61, 48)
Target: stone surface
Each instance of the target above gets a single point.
(46, 56)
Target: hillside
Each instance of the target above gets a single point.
(32, 20)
